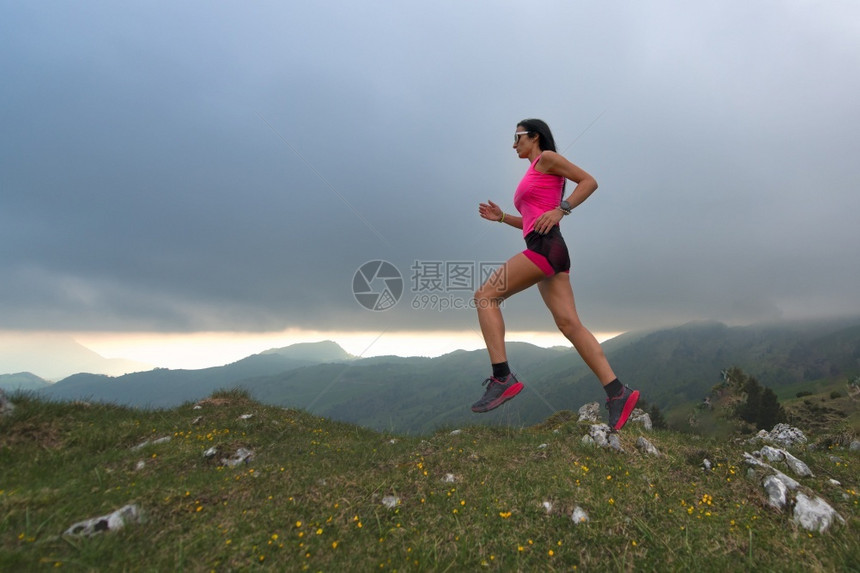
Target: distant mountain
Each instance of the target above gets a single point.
(325, 351)
(672, 367)
(679, 365)
(404, 394)
(163, 387)
(25, 381)
(55, 356)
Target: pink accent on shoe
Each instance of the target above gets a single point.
(628, 409)
(513, 390)
(506, 395)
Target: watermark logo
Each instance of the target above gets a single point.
(377, 285)
(435, 285)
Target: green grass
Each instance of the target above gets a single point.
(311, 499)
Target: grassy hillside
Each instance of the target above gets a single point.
(313, 496)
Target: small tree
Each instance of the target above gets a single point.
(771, 412)
(748, 411)
(657, 419)
(761, 408)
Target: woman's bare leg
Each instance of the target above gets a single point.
(516, 275)
(558, 297)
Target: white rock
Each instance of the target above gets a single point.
(639, 416)
(456, 432)
(590, 413)
(604, 437)
(786, 435)
(390, 501)
(814, 514)
(139, 465)
(246, 416)
(777, 493)
(579, 515)
(599, 433)
(706, 464)
(588, 440)
(242, 455)
(647, 447)
(542, 446)
(547, 505)
(145, 443)
(790, 483)
(771, 454)
(211, 452)
(110, 522)
(855, 446)
(449, 478)
(799, 468)
(755, 462)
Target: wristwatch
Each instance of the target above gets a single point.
(565, 207)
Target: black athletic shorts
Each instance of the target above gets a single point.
(549, 252)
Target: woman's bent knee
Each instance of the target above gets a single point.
(484, 299)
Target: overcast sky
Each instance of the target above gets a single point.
(206, 166)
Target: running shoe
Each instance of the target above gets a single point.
(621, 406)
(498, 392)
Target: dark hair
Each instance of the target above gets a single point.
(545, 140)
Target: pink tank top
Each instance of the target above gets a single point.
(536, 194)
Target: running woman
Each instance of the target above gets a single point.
(540, 200)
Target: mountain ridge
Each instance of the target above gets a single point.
(22, 381)
(672, 367)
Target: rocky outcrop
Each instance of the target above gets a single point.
(785, 493)
(781, 435)
(602, 436)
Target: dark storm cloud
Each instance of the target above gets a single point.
(197, 166)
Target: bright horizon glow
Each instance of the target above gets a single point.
(206, 349)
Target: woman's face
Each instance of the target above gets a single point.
(523, 142)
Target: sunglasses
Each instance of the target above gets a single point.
(517, 136)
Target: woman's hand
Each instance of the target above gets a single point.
(548, 220)
(490, 211)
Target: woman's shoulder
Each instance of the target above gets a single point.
(547, 160)
(549, 157)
